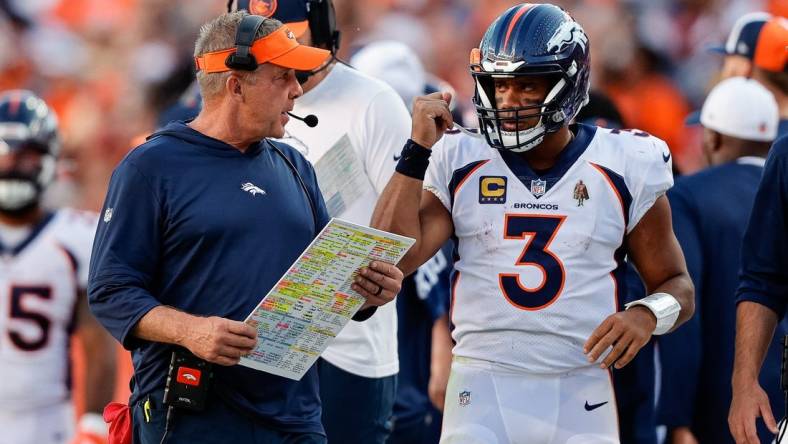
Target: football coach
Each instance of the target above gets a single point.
(198, 224)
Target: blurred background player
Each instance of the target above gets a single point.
(756, 48)
(354, 148)
(710, 211)
(423, 337)
(43, 276)
(739, 48)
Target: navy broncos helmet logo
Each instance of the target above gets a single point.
(569, 32)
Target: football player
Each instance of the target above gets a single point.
(538, 278)
(43, 273)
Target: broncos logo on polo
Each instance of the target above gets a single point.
(252, 189)
(566, 34)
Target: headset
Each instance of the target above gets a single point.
(322, 21)
(323, 24)
(242, 59)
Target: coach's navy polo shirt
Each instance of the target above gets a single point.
(191, 222)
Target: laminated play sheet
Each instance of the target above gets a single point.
(313, 301)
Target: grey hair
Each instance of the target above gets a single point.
(217, 35)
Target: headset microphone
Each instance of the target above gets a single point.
(310, 119)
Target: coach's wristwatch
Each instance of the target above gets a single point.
(665, 308)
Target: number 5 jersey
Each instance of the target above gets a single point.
(39, 283)
(539, 255)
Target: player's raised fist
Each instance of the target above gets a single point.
(431, 118)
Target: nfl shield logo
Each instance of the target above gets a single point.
(538, 187)
(465, 398)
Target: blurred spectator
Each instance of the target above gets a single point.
(739, 48)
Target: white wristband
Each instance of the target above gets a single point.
(665, 308)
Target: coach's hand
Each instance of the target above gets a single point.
(219, 340)
(379, 283)
(627, 331)
(749, 402)
(431, 118)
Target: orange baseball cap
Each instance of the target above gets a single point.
(279, 48)
(771, 50)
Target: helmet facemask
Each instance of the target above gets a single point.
(492, 119)
(23, 184)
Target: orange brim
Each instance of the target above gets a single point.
(279, 48)
(302, 58)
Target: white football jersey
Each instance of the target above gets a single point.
(539, 261)
(39, 282)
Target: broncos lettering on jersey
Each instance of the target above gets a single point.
(539, 256)
(39, 282)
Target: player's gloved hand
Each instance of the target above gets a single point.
(626, 331)
(431, 118)
(379, 283)
(219, 340)
(749, 402)
(91, 429)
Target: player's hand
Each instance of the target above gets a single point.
(627, 331)
(379, 283)
(682, 435)
(219, 340)
(431, 118)
(749, 402)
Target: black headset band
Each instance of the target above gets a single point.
(242, 58)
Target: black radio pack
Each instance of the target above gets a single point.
(187, 381)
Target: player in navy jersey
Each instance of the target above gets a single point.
(710, 212)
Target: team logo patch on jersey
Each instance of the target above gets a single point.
(108, 215)
(581, 193)
(252, 189)
(538, 187)
(492, 189)
(465, 398)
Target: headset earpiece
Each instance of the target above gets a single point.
(242, 59)
(323, 24)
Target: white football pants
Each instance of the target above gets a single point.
(488, 403)
(43, 425)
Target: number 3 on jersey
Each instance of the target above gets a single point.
(540, 231)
